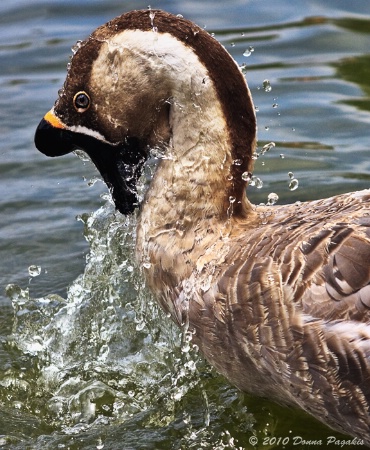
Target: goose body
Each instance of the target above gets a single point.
(277, 297)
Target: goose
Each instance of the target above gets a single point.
(277, 297)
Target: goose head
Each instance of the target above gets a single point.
(145, 80)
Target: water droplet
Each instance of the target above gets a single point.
(259, 183)
(100, 444)
(266, 86)
(267, 148)
(272, 198)
(34, 271)
(185, 348)
(152, 15)
(68, 66)
(180, 16)
(293, 185)
(92, 181)
(190, 365)
(275, 105)
(246, 176)
(140, 325)
(256, 108)
(76, 47)
(129, 269)
(147, 265)
(232, 44)
(104, 352)
(16, 293)
(255, 181)
(270, 278)
(82, 155)
(267, 128)
(238, 162)
(248, 51)
(282, 156)
(177, 395)
(232, 199)
(290, 175)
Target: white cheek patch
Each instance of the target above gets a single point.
(88, 132)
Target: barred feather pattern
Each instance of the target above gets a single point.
(286, 311)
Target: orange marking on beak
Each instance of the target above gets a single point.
(53, 120)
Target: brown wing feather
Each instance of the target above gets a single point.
(289, 310)
(341, 289)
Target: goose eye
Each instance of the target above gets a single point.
(81, 101)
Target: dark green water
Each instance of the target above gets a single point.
(87, 361)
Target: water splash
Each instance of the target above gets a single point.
(97, 329)
(106, 354)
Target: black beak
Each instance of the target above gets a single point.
(53, 141)
(119, 164)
